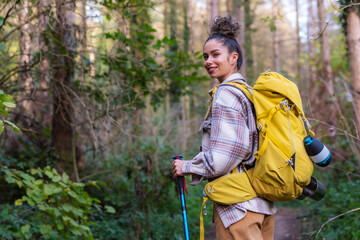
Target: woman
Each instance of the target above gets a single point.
(229, 138)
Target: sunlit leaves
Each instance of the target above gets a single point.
(64, 205)
(6, 101)
(18, 202)
(271, 23)
(110, 209)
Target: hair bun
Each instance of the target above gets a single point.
(226, 26)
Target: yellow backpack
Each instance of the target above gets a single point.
(282, 165)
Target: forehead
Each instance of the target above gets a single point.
(212, 45)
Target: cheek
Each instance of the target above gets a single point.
(223, 61)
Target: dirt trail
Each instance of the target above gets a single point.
(287, 226)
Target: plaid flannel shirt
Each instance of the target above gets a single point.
(229, 138)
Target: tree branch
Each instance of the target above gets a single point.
(8, 14)
(331, 219)
(338, 12)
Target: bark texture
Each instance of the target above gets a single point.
(63, 65)
(241, 39)
(298, 43)
(353, 38)
(275, 37)
(325, 50)
(312, 49)
(25, 79)
(325, 93)
(214, 11)
(214, 8)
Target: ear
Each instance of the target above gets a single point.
(234, 57)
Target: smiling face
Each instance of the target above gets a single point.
(218, 62)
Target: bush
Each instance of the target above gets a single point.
(335, 212)
(53, 206)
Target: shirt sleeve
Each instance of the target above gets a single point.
(229, 138)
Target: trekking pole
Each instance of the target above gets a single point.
(182, 187)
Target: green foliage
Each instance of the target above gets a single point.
(141, 66)
(271, 23)
(341, 197)
(140, 186)
(6, 101)
(59, 207)
(139, 73)
(332, 217)
(27, 157)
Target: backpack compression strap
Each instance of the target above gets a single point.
(244, 88)
(202, 213)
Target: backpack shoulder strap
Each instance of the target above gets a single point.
(247, 90)
(244, 88)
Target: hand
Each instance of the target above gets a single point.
(177, 167)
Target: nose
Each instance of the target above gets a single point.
(208, 61)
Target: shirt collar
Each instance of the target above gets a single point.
(233, 77)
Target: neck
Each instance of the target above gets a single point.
(226, 77)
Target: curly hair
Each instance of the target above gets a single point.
(226, 29)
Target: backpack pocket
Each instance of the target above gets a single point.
(277, 172)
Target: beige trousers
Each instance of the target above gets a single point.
(254, 226)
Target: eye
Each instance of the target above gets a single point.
(205, 57)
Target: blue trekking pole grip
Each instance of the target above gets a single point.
(182, 188)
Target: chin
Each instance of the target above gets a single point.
(213, 76)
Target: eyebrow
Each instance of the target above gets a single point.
(214, 50)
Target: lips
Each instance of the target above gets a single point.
(211, 69)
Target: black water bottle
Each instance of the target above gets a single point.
(317, 151)
(315, 190)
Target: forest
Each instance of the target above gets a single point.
(97, 96)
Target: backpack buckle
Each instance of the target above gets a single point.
(259, 126)
(290, 161)
(284, 104)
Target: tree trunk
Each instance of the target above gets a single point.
(63, 129)
(25, 79)
(166, 18)
(190, 12)
(275, 37)
(166, 33)
(186, 33)
(81, 5)
(184, 112)
(312, 53)
(214, 8)
(298, 43)
(241, 39)
(43, 8)
(326, 90)
(214, 11)
(229, 6)
(248, 45)
(325, 50)
(353, 40)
